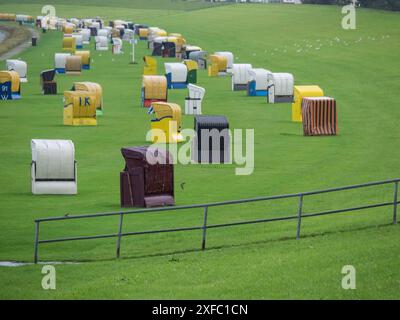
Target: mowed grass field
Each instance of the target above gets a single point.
(360, 68)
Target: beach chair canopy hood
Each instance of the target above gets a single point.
(155, 87)
(260, 76)
(299, 93)
(229, 57)
(283, 83)
(60, 60)
(55, 159)
(11, 76)
(91, 87)
(73, 64)
(177, 70)
(53, 168)
(19, 66)
(240, 73)
(320, 116)
(148, 177)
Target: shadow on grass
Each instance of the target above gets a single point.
(287, 134)
(252, 243)
(241, 245)
(39, 94)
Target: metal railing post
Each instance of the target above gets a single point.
(121, 219)
(396, 188)
(203, 243)
(35, 258)
(299, 213)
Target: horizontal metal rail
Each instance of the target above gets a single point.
(206, 226)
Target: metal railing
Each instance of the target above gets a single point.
(205, 226)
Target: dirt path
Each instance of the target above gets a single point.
(21, 47)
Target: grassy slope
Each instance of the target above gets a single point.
(16, 35)
(361, 75)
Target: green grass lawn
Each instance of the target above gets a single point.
(359, 68)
